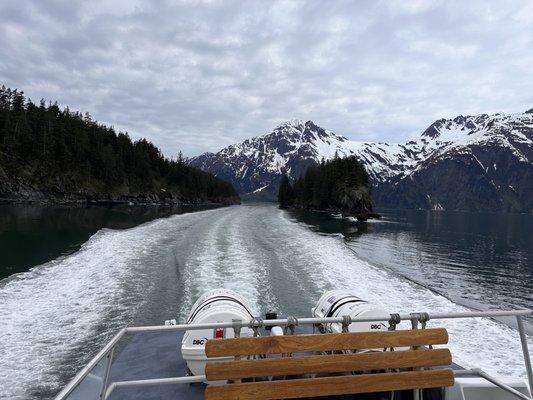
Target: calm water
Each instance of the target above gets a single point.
(58, 314)
(32, 234)
(483, 261)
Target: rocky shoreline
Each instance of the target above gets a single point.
(131, 202)
(363, 215)
(22, 193)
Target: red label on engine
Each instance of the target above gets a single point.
(219, 333)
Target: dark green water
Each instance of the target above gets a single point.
(33, 234)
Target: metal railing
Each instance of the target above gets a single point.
(107, 351)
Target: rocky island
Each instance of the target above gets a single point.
(340, 186)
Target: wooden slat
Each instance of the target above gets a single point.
(327, 363)
(331, 386)
(332, 341)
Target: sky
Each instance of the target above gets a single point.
(197, 76)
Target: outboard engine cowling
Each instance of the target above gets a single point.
(337, 303)
(219, 305)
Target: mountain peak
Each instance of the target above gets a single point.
(433, 131)
(291, 123)
(459, 126)
(296, 123)
(298, 130)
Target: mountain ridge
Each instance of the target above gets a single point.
(402, 174)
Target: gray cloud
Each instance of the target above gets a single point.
(198, 76)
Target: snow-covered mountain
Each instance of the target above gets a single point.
(466, 163)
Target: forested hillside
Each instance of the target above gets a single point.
(338, 185)
(58, 155)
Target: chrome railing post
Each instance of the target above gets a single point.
(237, 325)
(414, 325)
(107, 371)
(525, 350)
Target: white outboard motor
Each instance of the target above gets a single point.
(337, 303)
(219, 305)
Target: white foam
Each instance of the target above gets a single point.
(52, 310)
(219, 260)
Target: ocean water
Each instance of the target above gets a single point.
(56, 315)
(483, 261)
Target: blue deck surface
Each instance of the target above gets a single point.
(153, 355)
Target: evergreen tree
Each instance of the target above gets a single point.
(285, 194)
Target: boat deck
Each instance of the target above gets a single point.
(154, 353)
(157, 355)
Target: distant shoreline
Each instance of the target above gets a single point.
(111, 202)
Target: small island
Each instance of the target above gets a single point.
(338, 185)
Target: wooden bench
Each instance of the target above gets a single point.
(391, 370)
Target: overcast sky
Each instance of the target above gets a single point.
(198, 76)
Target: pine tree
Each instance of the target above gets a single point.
(285, 194)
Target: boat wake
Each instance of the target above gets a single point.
(56, 316)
